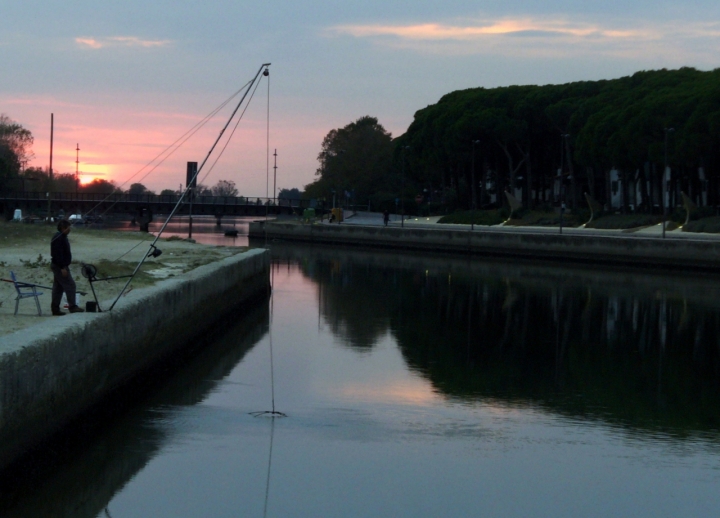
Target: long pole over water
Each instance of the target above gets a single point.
(153, 250)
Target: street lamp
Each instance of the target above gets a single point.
(665, 181)
(563, 138)
(474, 198)
(402, 188)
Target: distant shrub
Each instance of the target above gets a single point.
(709, 225)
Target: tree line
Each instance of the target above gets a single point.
(543, 144)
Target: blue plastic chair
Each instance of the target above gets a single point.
(22, 293)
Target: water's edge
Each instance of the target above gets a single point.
(610, 250)
(67, 366)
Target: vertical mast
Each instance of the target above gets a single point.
(50, 177)
(275, 178)
(77, 168)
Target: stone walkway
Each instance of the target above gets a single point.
(376, 219)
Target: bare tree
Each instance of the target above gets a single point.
(224, 188)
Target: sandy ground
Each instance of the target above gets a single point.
(25, 249)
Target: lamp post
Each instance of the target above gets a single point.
(562, 183)
(666, 193)
(402, 189)
(474, 197)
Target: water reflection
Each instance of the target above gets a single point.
(419, 386)
(634, 350)
(78, 474)
(204, 229)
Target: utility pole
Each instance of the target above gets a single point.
(77, 168)
(275, 178)
(50, 177)
(402, 189)
(191, 173)
(474, 198)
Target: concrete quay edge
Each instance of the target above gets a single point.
(626, 250)
(53, 372)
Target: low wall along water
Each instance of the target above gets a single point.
(602, 249)
(53, 372)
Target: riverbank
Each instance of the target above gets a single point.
(26, 251)
(643, 247)
(55, 368)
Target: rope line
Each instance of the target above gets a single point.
(169, 149)
(272, 413)
(187, 189)
(133, 248)
(242, 114)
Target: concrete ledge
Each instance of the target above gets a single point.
(52, 372)
(622, 249)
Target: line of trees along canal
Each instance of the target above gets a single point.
(594, 133)
(608, 138)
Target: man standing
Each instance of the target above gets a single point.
(61, 257)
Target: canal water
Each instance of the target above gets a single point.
(417, 386)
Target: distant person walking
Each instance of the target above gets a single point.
(60, 259)
(386, 217)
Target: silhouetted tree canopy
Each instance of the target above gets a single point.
(138, 188)
(290, 194)
(15, 150)
(609, 124)
(224, 188)
(356, 158)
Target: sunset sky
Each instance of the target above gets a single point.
(126, 79)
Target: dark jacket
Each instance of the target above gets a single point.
(60, 250)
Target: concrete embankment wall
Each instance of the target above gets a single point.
(52, 372)
(622, 249)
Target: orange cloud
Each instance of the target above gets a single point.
(89, 42)
(683, 41)
(436, 31)
(120, 41)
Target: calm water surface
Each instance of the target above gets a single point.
(421, 387)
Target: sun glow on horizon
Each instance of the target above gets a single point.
(88, 178)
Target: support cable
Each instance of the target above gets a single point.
(242, 114)
(272, 413)
(154, 251)
(171, 149)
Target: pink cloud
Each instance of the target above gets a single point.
(120, 41)
(687, 42)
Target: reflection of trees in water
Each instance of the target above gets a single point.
(353, 301)
(644, 358)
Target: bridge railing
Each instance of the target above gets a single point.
(155, 199)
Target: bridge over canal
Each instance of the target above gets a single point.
(142, 207)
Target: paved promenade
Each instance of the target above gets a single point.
(376, 219)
